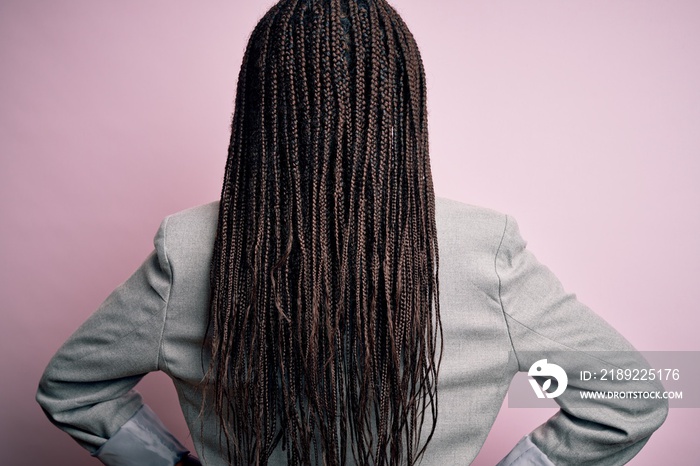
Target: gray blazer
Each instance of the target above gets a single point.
(501, 311)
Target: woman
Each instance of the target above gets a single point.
(305, 318)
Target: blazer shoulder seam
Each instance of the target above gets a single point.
(500, 286)
(167, 299)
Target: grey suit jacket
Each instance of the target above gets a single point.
(501, 311)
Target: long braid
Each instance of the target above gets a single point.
(325, 329)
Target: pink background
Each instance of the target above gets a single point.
(580, 118)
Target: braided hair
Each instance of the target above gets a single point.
(324, 329)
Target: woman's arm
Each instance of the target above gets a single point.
(87, 387)
(546, 322)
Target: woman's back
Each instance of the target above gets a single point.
(499, 308)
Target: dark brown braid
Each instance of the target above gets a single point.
(325, 329)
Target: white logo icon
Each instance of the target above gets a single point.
(542, 368)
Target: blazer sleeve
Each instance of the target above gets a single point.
(87, 389)
(544, 320)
